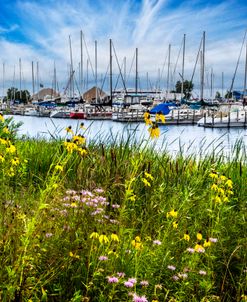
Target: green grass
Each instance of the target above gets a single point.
(48, 215)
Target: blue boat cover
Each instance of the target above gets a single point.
(163, 108)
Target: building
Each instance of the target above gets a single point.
(45, 93)
(90, 95)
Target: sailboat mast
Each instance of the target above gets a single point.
(211, 83)
(71, 68)
(87, 73)
(20, 77)
(124, 70)
(96, 76)
(245, 74)
(110, 72)
(81, 66)
(32, 78)
(14, 84)
(182, 85)
(136, 79)
(222, 84)
(55, 78)
(38, 84)
(203, 66)
(168, 70)
(3, 77)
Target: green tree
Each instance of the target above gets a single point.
(14, 94)
(228, 95)
(188, 87)
(217, 95)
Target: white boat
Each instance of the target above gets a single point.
(60, 113)
(224, 120)
(134, 113)
(31, 111)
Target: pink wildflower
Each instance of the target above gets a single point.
(112, 279)
(139, 299)
(103, 258)
(171, 267)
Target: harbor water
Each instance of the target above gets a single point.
(189, 139)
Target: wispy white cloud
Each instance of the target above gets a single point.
(149, 25)
(8, 29)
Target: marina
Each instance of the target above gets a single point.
(190, 139)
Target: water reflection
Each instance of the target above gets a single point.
(189, 139)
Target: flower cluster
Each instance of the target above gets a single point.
(221, 187)
(136, 243)
(147, 179)
(8, 153)
(154, 130)
(75, 142)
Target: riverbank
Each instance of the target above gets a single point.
(110, 221)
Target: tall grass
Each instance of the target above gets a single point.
(122, 222)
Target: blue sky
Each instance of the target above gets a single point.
(39, 31)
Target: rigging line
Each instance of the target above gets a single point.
(90, 62)
(118, 78)
(119, 68)
(234, 75)
(163, 67)
(77, 86)
(131, 66)
(175, 67)
(197, 57)
(103, 82)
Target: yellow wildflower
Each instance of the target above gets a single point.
(154, 131)
(129, 193)
(69, 130)
(73, 205)
(223, 177)
(199, 248)
(6, 130)
(146, 115)
(2, 159)
(11, 149)
(217, 199)
(82, 151)
(213, 174)
(186, 236)
(226, 199)
(207, 243)
(175, 225)
(147, 119)
(70, 146)
(199, 235)
(79, 139)
(82, 126)
(74, 255)
(221, 191)
(1, 118)
(159, 117)
(173, 213)
(103, 238)
(59, 168)
(229, 183)
(3, 141)
(229, 192)
(137, 243)
(148, 175)
(94, 235)
(114, 237)
(214, 187)
(15, 161)
(146, 182)
(11, 172)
